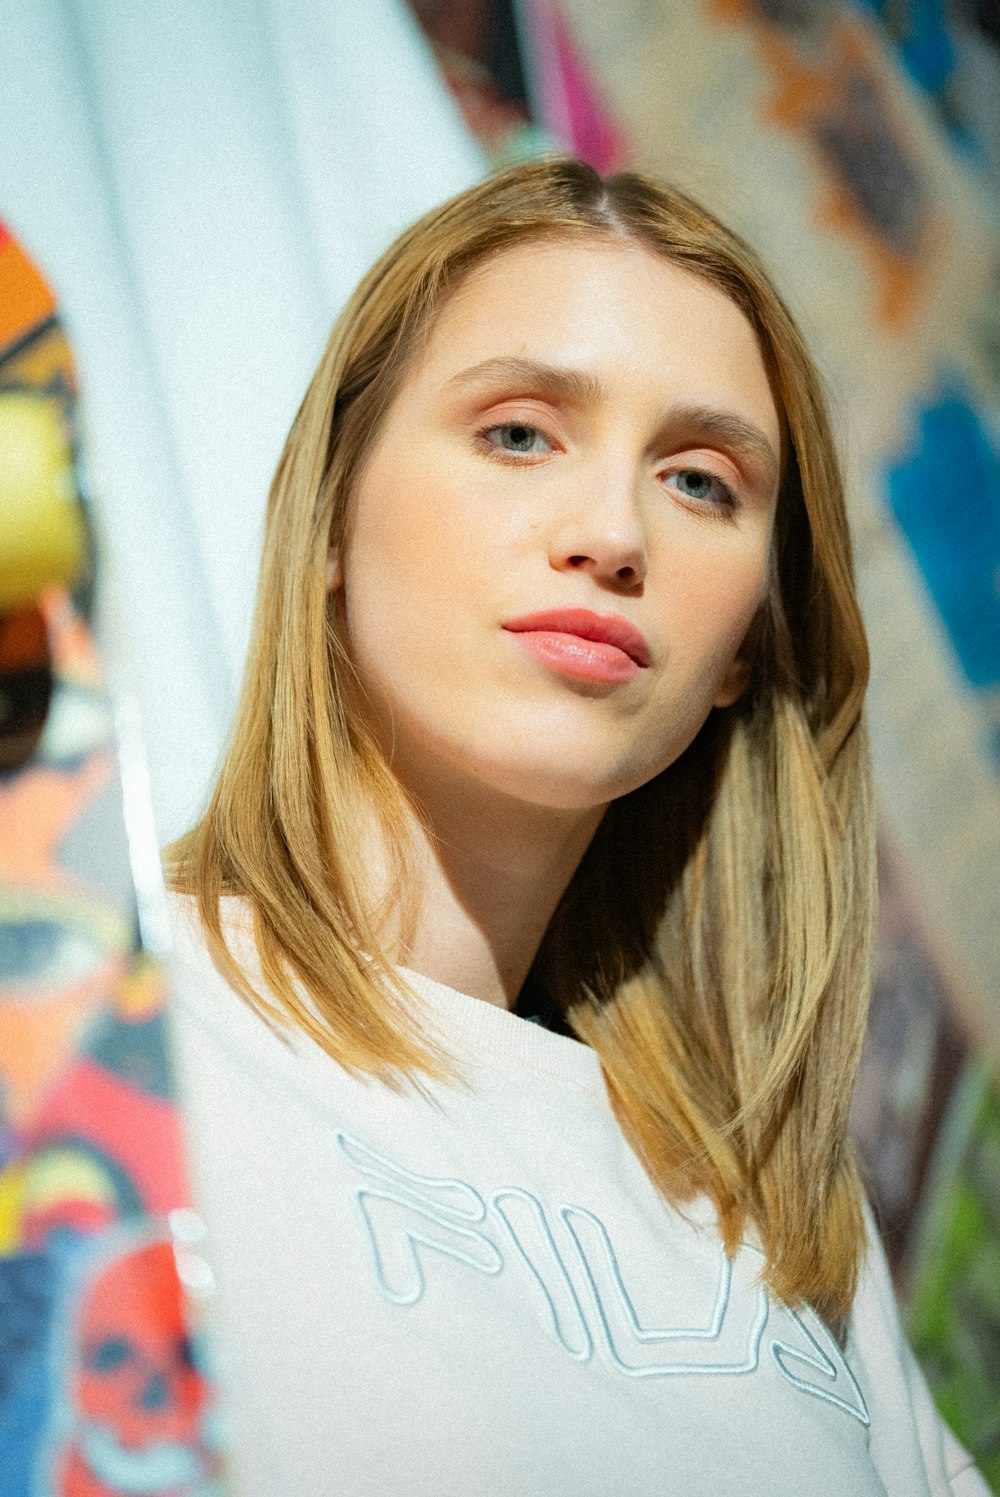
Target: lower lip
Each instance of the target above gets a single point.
(586, 659)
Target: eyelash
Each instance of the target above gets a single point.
(502, 455)
(729, 504)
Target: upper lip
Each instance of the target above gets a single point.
(603, 628)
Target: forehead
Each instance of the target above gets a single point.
(608, 306)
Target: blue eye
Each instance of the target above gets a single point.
(516, 439)
(705, 488)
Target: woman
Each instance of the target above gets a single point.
(553, 712)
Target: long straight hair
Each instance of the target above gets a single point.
(714, 946)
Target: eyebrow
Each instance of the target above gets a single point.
(573, 385)
(737, 435)
(740, 437)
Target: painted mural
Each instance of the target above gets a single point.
(103, 1388)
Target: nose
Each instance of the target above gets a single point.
(602, 533)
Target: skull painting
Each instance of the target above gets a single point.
(138, 1398)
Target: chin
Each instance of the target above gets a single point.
(563, 786)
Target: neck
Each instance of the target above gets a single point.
(494, 869)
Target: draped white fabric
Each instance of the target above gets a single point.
(203, 183)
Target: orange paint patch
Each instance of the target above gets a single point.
(75, 657)
(143, 993)
(37, 1044)
(23, 641)
(815, 94)
(37, 808)
(25, 298)
(45, 1011)
(44, 364)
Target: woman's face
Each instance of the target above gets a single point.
(560, 539)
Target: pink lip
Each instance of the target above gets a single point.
(600, 647)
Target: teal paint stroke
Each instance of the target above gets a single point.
(945, 495)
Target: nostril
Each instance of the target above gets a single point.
(577, 561)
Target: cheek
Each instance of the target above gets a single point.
(413, 555)
(390, 546)
(713, 601)
(427, 544)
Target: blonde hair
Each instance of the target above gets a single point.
(714, 946)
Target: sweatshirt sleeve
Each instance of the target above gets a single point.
(911, 1445)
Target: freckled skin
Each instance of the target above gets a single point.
(587, 506)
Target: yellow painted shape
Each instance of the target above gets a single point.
(62, 1173)
(11, 1209)
(42, 537)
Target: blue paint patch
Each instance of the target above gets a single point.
(946, 498)
(923, 41)
(920, 34)
(995, 745)
(27, 1291)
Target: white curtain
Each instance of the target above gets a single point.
(203, 183)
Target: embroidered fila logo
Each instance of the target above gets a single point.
(408, 1217)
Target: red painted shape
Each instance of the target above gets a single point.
(140, 1132)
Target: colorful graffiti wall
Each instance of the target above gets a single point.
(103, 1388)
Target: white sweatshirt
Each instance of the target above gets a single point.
(480, 1293)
